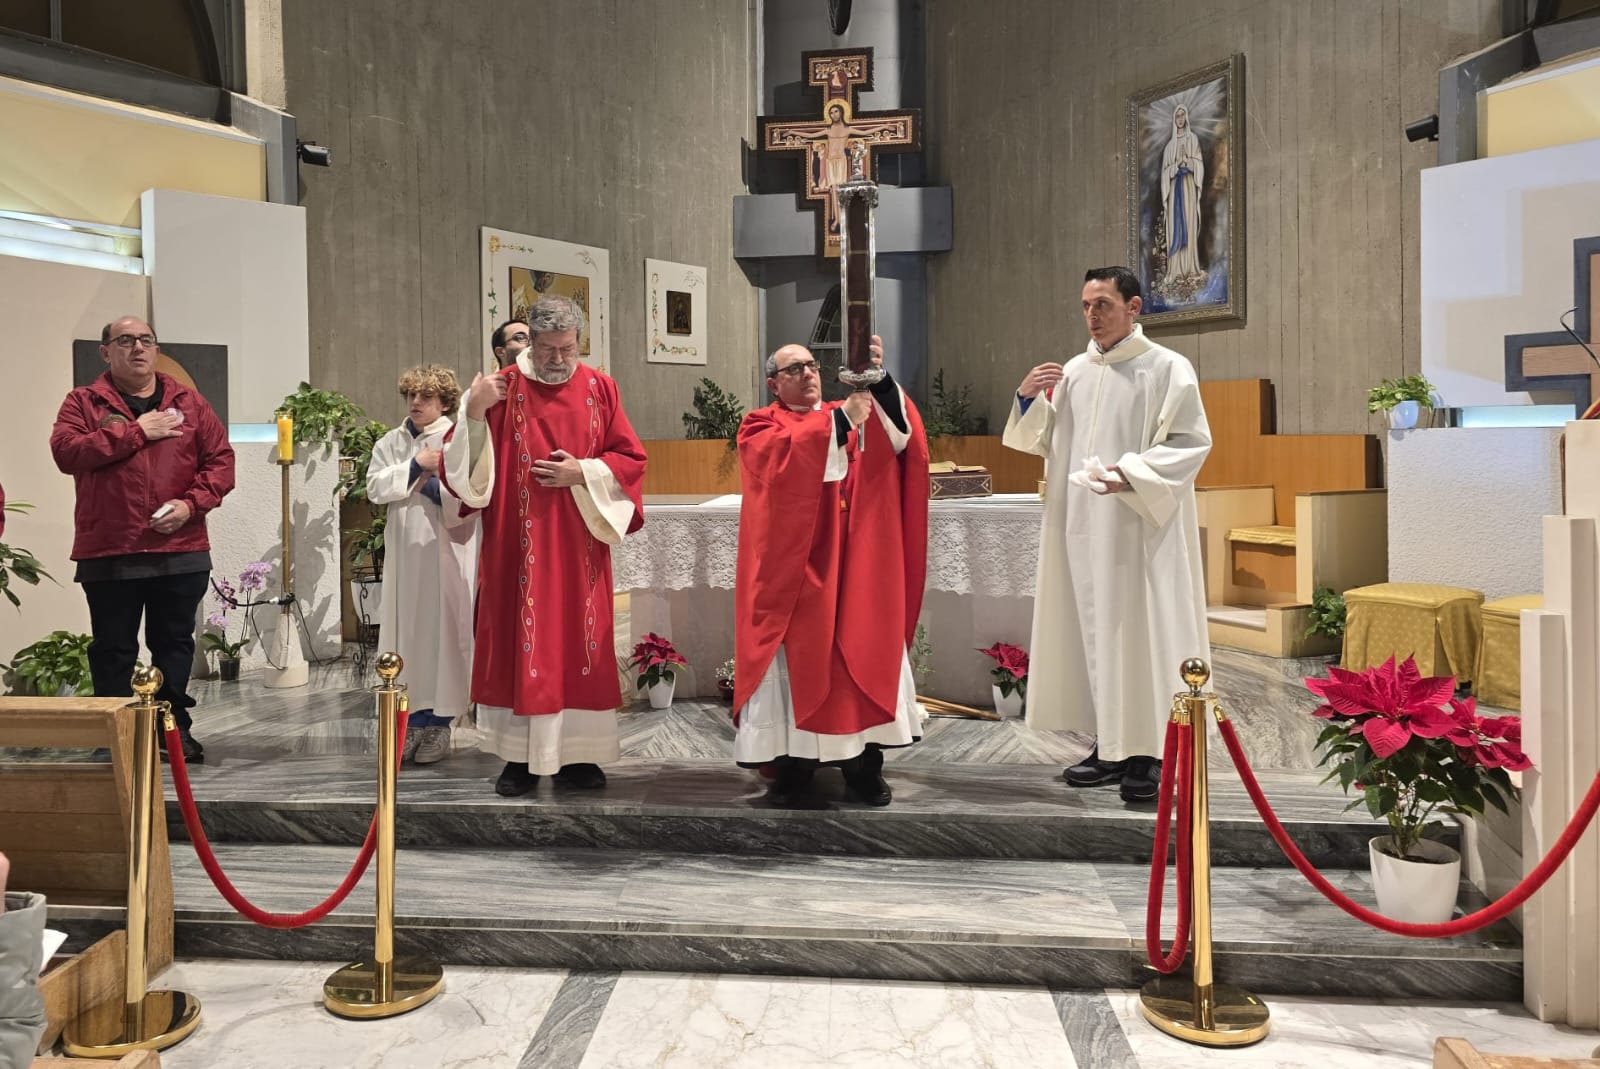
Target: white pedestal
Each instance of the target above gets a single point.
(291, 668)
(1561, 718)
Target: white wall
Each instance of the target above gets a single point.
(45, 306)
(1497, 259)
(1467, 506)
(233, 272)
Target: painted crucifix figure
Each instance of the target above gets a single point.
(829, 141)
(1555, 361)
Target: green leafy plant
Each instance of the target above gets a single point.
(1326, 616)
(320, 416)
(951, 411)
(16, 562)
(655, 660)
(1390, 392)
(921, 654)
(717, 414)
(356, 446)
(366, 544)
(58, 661)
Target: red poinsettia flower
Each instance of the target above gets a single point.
(1013, 660)
(1390, 703)
(653, 650)
(1495, 741)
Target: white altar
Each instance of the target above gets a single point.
(678, 571)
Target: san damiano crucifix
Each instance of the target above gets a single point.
(827, 142)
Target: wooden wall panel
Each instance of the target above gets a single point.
(613, 123)
(1025, 121)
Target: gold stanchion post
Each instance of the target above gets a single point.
(1198, 1009)
(146, 1020)
(385, 986)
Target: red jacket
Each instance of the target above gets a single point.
(122, 477)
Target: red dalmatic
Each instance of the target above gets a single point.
(543, 627)
(832, 571)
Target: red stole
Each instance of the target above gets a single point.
(543, 627)
(832, 571)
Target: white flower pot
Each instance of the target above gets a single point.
(1403, 416)
(1418, 892)
(661, 693)
(1004, 705)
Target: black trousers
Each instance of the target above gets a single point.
(167, 604)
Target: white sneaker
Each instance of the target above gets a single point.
(434, 745)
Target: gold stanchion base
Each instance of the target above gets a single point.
(113, 1029)
(358, 990)
(1239, 1018)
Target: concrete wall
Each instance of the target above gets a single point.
(615, 123)
(1026, 114)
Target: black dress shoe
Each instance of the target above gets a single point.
(789, 785)
(864, 777)
(1142, 780)
(193, 752)
(584, 776)
(515, 780)
(1093, 772)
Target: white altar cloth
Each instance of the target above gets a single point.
(678, 571)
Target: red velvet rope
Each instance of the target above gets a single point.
(1177, 757)
(208, 860)
(1461, 925)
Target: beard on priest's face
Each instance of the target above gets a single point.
(555, 356)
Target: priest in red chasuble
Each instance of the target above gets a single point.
(548, 455)
(833, 539)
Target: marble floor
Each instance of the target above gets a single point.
(268, 1015)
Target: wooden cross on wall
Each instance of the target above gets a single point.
(1551, 360)
(827, 141)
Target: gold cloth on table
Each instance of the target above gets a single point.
(1274, 535)
(1439, 625)
(1498, 677)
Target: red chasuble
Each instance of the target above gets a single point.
(832, 571)
(543, 629)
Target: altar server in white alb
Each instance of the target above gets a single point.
(429, 563)
(1120, 599)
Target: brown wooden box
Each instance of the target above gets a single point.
(947, 485)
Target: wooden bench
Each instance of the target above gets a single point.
(1281, 516)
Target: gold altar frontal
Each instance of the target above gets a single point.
(1497, 680)
(1439, 625)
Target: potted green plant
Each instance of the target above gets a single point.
(1412, 749)
(355, 459)
(18, 563)
(656, 660)
(725, 680)
(55, 666)
(215, 638)
(1326, 615)
(1403, 399)
(366, 567)
(320, 416)
(950, 415)
(717, 414)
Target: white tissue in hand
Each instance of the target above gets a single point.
(1095, 476)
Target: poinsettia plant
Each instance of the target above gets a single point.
(1411, 747)
(1010, 669)
(655, 658)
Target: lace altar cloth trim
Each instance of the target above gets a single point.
(988, 547)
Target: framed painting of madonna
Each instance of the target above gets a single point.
(1185, 153)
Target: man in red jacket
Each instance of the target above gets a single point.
(150, 459)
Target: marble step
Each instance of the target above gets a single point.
(699, 806)
(712, 807)
(1063, 923)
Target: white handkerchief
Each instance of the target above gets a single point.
(52, 943)
(1095, 476)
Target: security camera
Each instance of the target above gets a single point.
(1423, 129)
(313, 153)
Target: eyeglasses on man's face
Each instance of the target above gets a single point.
(128, 341)
(520, 336)
(799, 368)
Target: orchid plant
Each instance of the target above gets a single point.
(252, 579)
(1410, 747)
(655, 658)
(1010, 669)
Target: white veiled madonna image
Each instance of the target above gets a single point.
(1183, 204)
(1183, 176)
